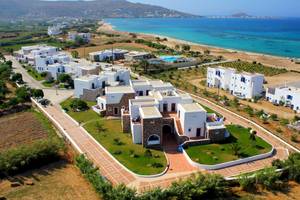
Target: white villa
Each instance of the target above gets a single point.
(90, 87)
(288, 94)
(28, 53)
(142, 88)
(54, 30)
(243, 85)
(111, 54)
(137, 55)
(73, 35)
(163, 114)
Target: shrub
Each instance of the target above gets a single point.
(269, 178)
(157, 165)
(78, 105)
(148, 153)
(247, 183)
(17, 77)
(31, 156)
(294, 138)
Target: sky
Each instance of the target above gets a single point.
(280, 8)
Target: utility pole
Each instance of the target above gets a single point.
(112, 54)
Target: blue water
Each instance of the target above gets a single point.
(280, 37)
(169, 59)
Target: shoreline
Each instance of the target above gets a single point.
(233, 54)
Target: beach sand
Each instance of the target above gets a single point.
(274, 61)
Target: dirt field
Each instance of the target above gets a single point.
(281, 79)
(21, 128)
(58, 181)
(290, 193)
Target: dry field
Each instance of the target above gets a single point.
(58, 181)
(21, 128)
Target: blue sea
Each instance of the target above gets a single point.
(279, 37)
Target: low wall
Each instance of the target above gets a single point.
(231, 163)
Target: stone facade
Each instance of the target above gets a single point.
(217, 135)
(123, 104)
(125, 122)
(91, 95)
(95, 71)
(152, 127)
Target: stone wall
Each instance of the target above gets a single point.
(126, 123)
(91, 95)
(152, 127)
(217, 135)
(124, 104)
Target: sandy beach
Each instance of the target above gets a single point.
(274, 61)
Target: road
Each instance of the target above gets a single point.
(114, 171)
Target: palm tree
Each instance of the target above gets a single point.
(145, 65)
(235, 149)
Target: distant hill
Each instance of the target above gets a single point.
(35, 9)
(241, 15)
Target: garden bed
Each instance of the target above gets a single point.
(120, 145)
(238, 146)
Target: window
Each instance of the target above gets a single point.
(190, 130)
(289, 97)
(165, 107)
(141, 93)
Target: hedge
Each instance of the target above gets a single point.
(197, 187)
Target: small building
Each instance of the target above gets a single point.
(137, 56)
(115, 99)
(28, 53)
(142, 88)
(91, 87)
(287, 95)
(73, 35)
(106, 55)
(240, 84)
(54, 30)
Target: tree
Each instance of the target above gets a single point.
(2, 57)
(253, 135)
(186, 47)
(23, 94)
(75, 54)
(64, 78)
(3, 89)
(145, 65)
(17, 77)
(177, 47)
(235, 149)
(37, 93)
(78, 105)
(206, 52)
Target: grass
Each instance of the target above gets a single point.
(119, 144)
(212, 154)
(33, 73)
(48, 84)
(81, 117)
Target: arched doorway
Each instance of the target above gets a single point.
(169, 138)
(153, 140)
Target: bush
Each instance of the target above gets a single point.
(31, 156)
(269, 179)
(17, 77)
(148, 153)
(78, 105)
(247, 183)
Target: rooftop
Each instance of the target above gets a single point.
(150, 112)
(120, 89)
(192, 107)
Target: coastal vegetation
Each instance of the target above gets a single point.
(201, 186)
(108, 133)
(255, 67)
(239, 145)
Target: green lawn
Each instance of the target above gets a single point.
(109, 134)
(81, 117)
(212, 154)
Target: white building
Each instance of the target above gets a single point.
(288, 95)
(91, 87)
(137, 55)
(54, 30)
(168, 112)
(111, 54)
(142, 88)
(243, 85)
(72, 36)
(28, 53)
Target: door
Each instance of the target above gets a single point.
(173, 107)
(165, 107)
(116, 111)
(198, 134)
